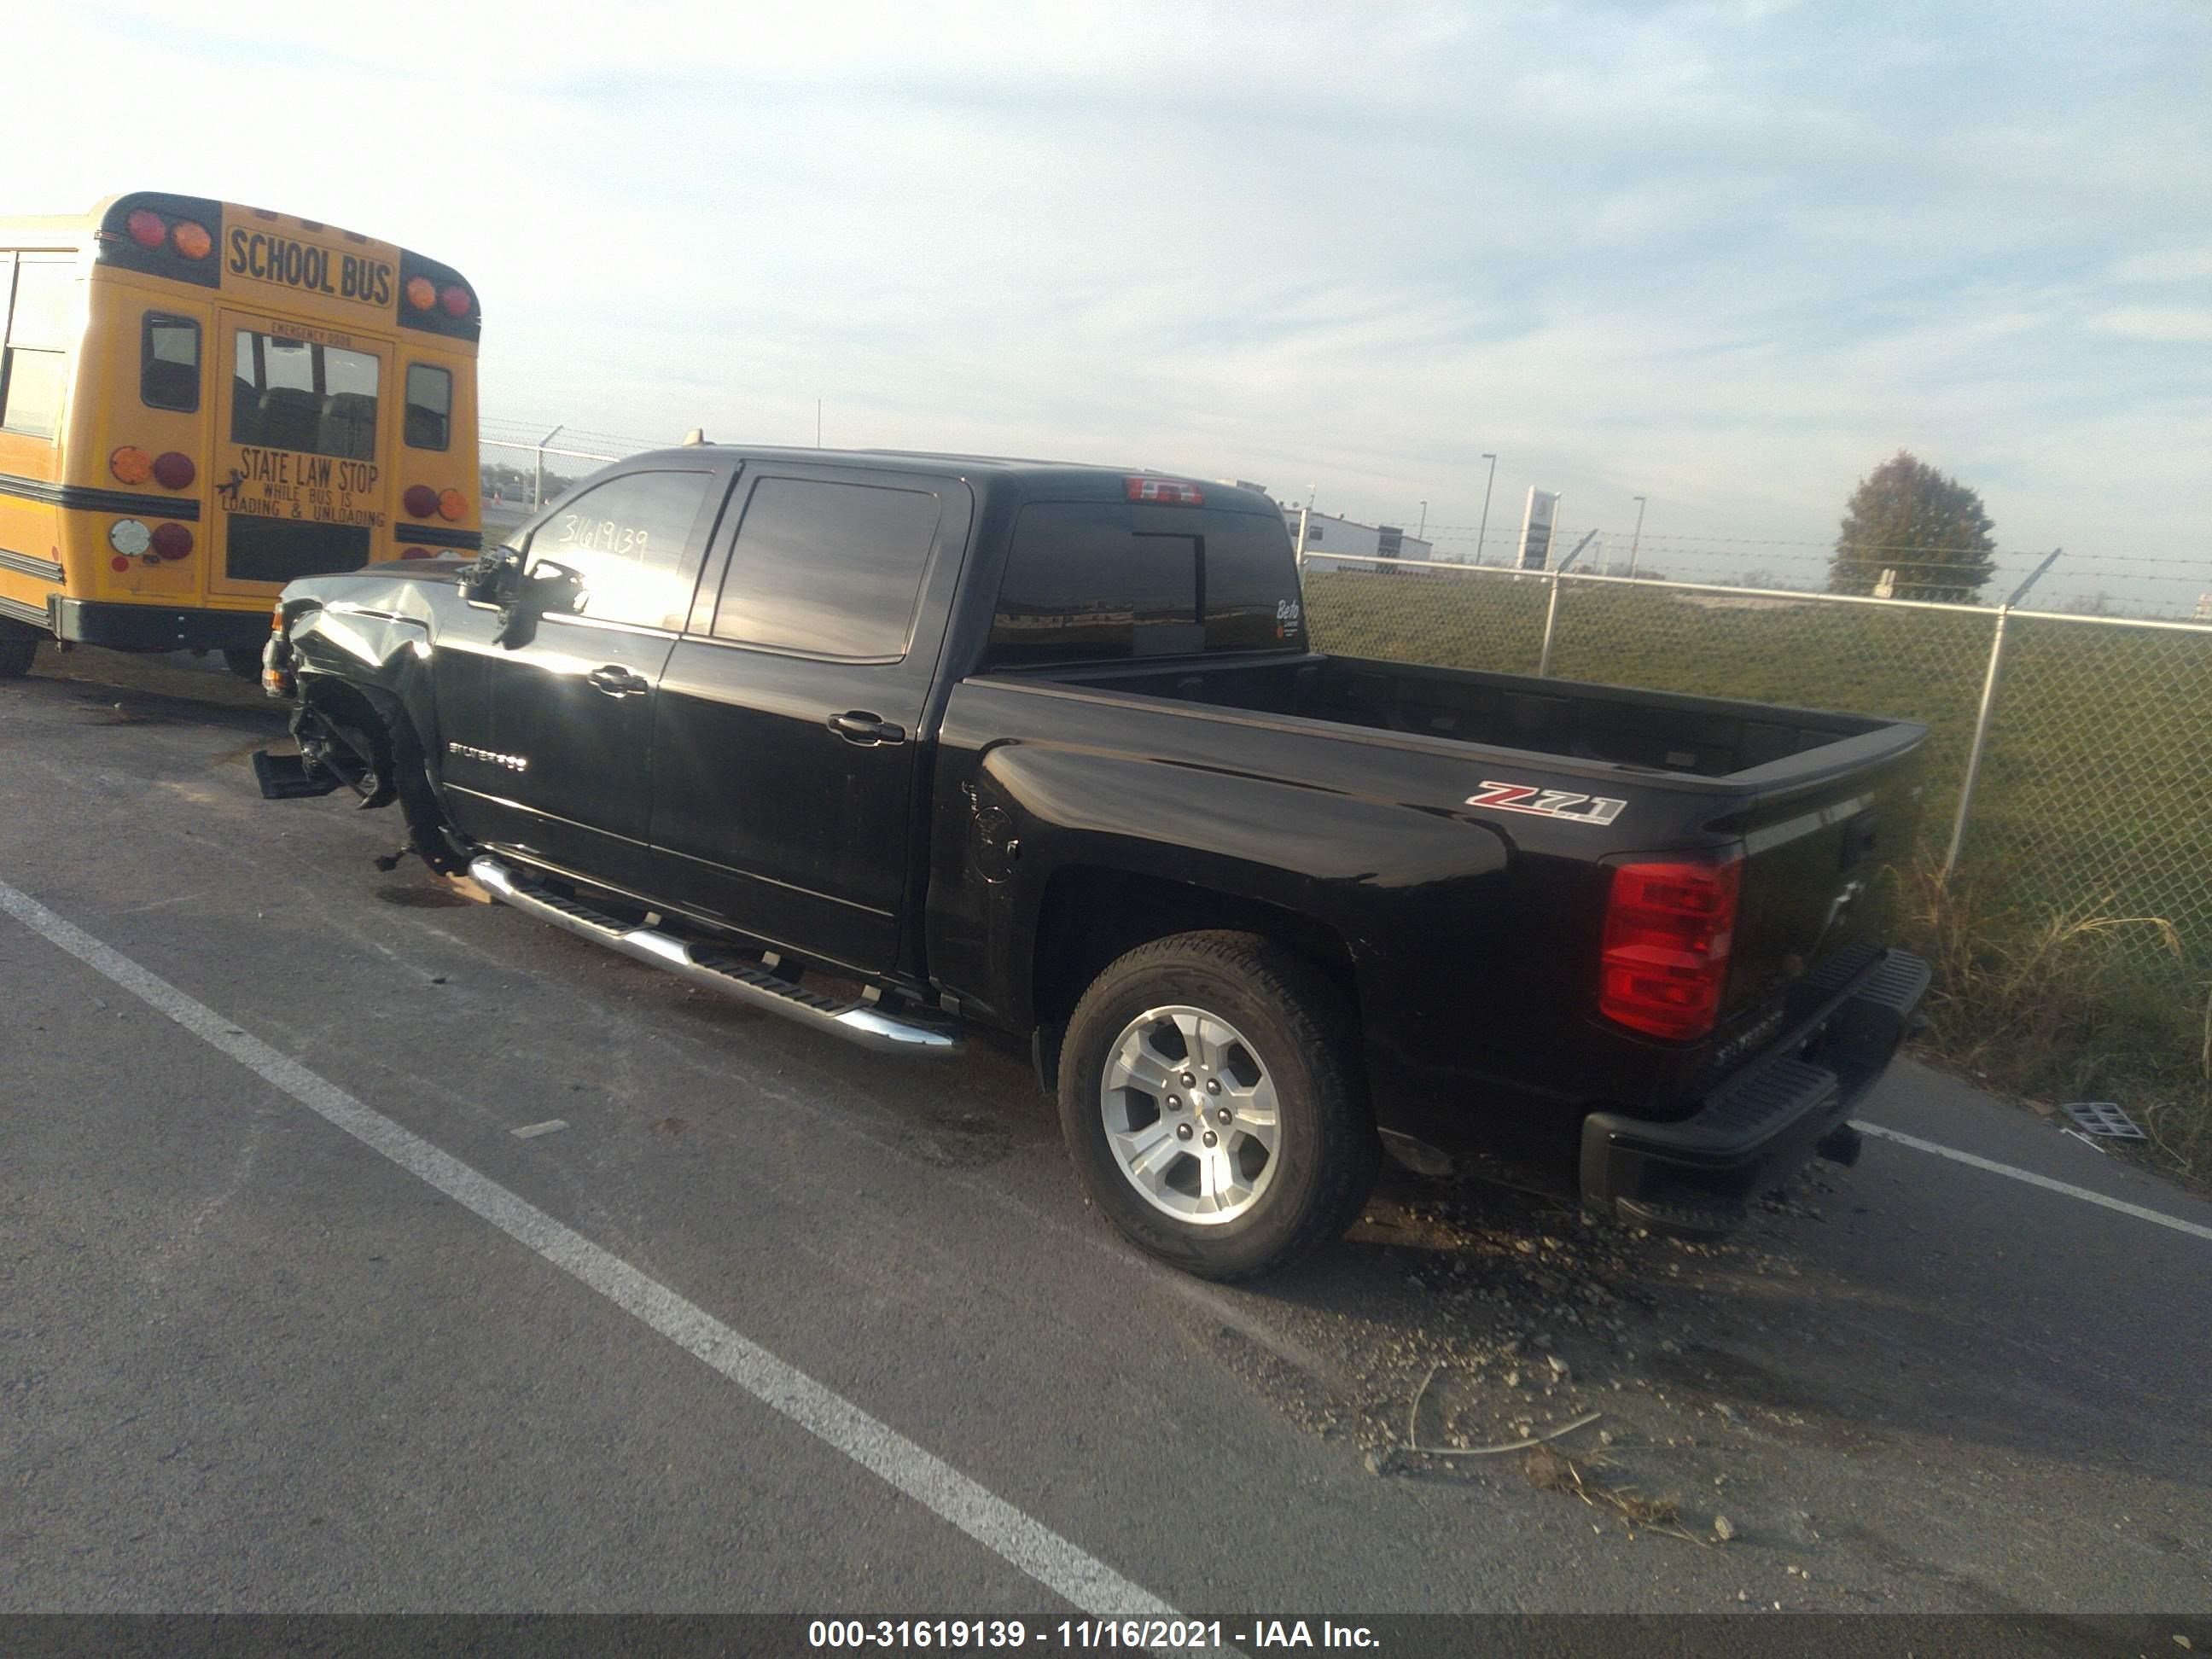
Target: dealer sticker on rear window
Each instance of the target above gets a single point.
(1547, 803)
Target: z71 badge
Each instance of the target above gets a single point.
(1547, 802)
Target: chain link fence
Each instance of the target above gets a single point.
(2089, 793)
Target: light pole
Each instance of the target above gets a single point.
(1424, 521)
(1483, 533)
(1637, 540)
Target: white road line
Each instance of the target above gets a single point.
(1008, 1532)
(2035, 1180)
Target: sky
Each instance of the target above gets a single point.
(1727, 257)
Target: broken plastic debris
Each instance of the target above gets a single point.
(2104, 1118)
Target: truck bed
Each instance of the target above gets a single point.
(1642, 731)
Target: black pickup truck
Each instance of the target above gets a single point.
(892, 743)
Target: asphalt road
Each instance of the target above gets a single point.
(249, 1360)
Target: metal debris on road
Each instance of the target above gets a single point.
(2104, 1118)
(532, 1130)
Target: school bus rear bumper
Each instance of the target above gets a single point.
(155, 628)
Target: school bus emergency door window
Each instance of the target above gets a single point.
(293, 394)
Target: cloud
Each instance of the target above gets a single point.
(1727, 256)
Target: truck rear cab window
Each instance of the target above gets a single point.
(169, 362)
(35, 361)
(832, 569)
(429, 418)
(626, 541)
(1099, 580)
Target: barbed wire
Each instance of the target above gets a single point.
(1692, 543)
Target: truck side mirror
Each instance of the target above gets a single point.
(528, 595)
(494, 578)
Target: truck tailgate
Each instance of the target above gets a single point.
(1821, 869)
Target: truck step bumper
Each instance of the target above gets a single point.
(864, 1024)
(1695, 1176)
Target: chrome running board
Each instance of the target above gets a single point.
(863, 1023)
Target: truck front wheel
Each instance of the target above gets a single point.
(1209, 1096)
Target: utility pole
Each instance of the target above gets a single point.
(1424, 521)
(1638, 539)
(1481, 535)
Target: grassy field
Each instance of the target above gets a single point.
(2076, 939)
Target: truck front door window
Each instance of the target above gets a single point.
(625, 540)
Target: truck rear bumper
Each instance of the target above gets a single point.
(1694, 1177)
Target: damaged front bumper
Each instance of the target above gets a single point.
(1693, 1178)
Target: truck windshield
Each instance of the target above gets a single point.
(1092, 580)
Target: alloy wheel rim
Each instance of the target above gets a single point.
(1191, 1115)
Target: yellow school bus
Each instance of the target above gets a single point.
(201, 401)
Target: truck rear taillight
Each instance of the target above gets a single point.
(1168, 492)
(1667, 931)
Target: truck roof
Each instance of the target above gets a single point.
(1087, 478)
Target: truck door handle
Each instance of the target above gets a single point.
(863, 728)
(616, 681)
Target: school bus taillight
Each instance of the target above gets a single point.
(173, 542)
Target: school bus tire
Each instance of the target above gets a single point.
(244, 661)
(16, 652)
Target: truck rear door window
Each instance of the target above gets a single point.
(830, 569)
(1093, 580)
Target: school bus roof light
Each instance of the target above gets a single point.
(422, 293)
(420, 500)
(173, 470)
(193, 240)
(130, 465)
(457, 300)
(146, 227)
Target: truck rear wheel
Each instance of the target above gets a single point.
(1209, 1096)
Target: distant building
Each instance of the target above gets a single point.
(1342, 540)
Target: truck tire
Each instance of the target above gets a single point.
(16, 652)
(1210, 1096)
